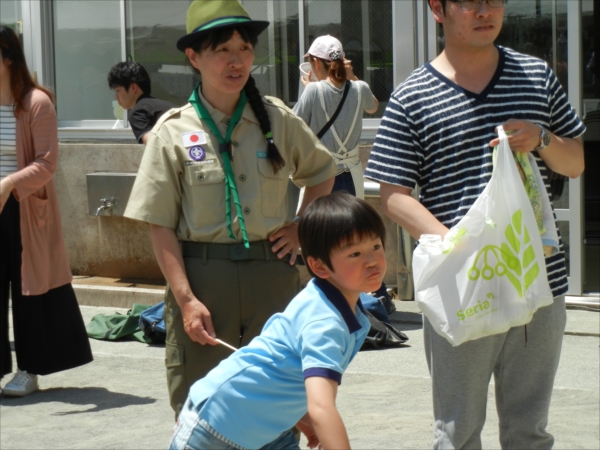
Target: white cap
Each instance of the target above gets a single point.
(323, 46)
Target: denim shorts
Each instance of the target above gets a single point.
(193, 433)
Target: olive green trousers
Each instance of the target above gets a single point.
(241, 296)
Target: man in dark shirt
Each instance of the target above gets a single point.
(131, 84)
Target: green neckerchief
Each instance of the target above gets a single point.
(225, 150)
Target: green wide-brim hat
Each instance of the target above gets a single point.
(208, 15)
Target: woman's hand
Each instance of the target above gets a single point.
(6, 187)
(306, 80)
(286, 241)
(197, 322)
(349, 70)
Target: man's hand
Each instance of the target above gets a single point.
(6, 187)
(286, 241)
(562, 155)
(523, 136)
(306, 428)
(197, 322)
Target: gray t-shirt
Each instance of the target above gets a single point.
(309, 109)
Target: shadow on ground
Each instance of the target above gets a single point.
(102, 398)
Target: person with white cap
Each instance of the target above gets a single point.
(213, 184)
(338, 89)
(320, 101)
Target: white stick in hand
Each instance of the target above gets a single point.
(226, 344)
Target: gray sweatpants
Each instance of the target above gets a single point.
(523, 361)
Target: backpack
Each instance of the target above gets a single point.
(118, 326)
(382, 333)
(152, 323)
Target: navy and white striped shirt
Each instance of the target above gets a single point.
(436, 135)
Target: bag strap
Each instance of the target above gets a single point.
(336, 113)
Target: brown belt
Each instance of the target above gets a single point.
(260, 250)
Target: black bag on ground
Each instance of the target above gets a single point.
(382, 334)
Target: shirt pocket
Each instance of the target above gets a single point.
(204, 195)
(273, 189)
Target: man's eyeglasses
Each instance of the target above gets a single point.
(472, 5)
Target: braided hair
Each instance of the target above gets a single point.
(213, 39)
(255, 101)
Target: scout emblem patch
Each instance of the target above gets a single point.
(197, 153)
(193, 138)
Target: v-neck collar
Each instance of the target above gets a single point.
(338, 300)
(483, 94)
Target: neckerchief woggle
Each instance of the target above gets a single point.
(225, 150)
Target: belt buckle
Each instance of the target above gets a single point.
(238, 252)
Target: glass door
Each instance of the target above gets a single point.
(590, 68)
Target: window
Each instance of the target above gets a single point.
(365, 30)
(92, 35)
(87, 36)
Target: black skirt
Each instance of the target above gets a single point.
(49, 331)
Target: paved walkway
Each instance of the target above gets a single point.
(120, 400)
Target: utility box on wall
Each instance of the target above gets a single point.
(108, 192)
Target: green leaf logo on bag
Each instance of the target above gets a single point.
(507, 264)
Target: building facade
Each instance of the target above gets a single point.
(71, 45)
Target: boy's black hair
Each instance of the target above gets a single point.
(219, 36)
(125, 73)
(333, 220)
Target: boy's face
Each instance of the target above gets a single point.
(126, 97)
(358, 266)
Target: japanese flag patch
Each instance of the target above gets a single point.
(193, 138)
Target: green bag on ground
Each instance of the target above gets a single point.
(118, 326)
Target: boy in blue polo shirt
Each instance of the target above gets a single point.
(289, 375)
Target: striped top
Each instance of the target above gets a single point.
(436, 135)
(8, 144)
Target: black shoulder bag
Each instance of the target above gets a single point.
(327, 126)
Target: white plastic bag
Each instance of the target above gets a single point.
(489, 272)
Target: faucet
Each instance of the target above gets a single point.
(107, 204)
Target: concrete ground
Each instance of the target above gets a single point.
(120, 400)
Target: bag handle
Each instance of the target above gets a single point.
(336, 113)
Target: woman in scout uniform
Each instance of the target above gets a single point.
(214, 177)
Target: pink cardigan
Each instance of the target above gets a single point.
(44, 259)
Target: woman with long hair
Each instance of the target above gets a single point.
(49, 334)
(213, 184)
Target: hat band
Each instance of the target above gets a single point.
(221, 21)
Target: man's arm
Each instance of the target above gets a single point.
(408, 212)
(562, 155)
(196, 317)
(326, 420)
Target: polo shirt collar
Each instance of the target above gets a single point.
(338, 300)
(219, 116)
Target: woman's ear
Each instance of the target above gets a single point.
(318, 267)
(193, 57)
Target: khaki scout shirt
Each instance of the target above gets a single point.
(175, 191)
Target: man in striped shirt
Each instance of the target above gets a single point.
(438, 133)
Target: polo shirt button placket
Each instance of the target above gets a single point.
(242, 177)
(246, 210)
